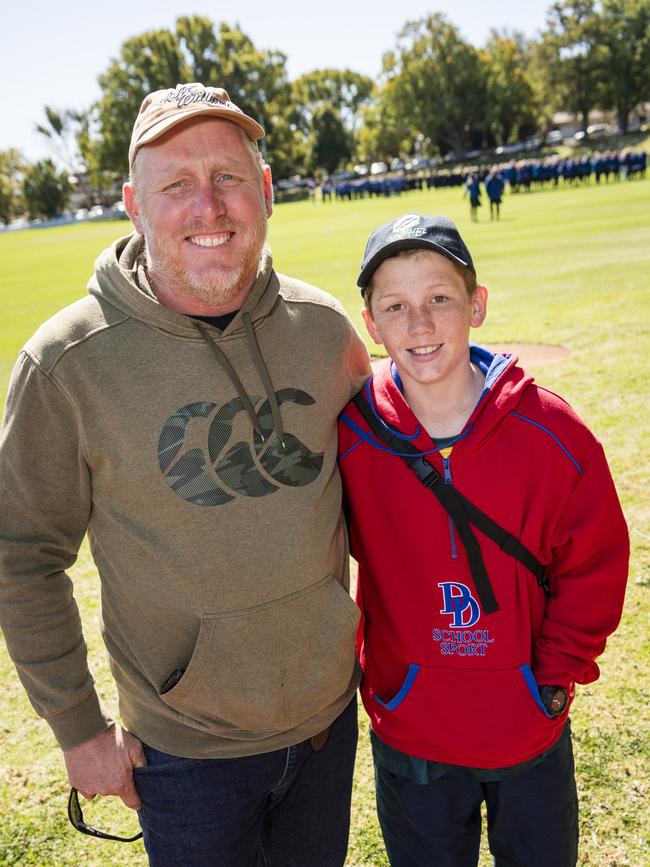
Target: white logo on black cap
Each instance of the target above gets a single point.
(407, 222)
(407, 227)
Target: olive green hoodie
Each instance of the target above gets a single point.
(203, 467)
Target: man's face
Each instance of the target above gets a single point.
(202, 202)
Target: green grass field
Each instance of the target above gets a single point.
(568, 267)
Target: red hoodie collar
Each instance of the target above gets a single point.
(502, 393)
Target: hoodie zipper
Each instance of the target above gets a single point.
(452, 530)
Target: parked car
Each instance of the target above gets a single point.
(416, 163)
(595, 130)
(512, 148)
(554, 136)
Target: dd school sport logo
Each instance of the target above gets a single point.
(205, 473)
(459, 602)
(460, 639)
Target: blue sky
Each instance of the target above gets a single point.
(52, 53)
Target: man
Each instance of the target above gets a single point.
(184, 416)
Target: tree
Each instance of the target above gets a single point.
(511, 110)
(328, 102)
(68, 134)
(329, 141)
(151, 61)
(61, 129)
(256, 81)
(434, 86)
(570, 57)
(382, 132)
(341, 89)
(200, 48)
(12, 167)
(45, 188)
(626, 40)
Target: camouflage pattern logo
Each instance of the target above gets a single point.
(190, 472)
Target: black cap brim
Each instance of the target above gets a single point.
(391, 249)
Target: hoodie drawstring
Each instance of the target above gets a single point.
(262, 370)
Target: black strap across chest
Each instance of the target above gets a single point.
(462, 512)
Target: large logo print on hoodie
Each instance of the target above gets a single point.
(188, 473)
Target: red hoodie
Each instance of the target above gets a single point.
(443, 680)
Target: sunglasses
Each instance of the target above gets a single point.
(76, 817)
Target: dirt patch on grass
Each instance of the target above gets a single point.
(529, 354)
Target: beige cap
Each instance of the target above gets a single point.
(163, 109)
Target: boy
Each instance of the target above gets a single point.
(470, 650)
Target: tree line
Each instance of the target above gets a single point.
(436, 92)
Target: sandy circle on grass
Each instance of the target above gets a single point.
(529, 354)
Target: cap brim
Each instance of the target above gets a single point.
(404, 244)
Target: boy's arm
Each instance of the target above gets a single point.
(587, 579)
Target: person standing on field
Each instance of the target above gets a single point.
(473, 191)
(183, 415)
(494, 187)
(493, 558)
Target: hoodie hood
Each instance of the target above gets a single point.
(505, 384)
(120, 279)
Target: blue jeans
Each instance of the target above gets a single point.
(286, 808)
(532, 817)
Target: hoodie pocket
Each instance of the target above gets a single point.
(480, 718)
(269, 668)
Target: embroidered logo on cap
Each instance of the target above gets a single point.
(187, 94)
(407, 227)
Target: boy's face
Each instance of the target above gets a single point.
(422, 314)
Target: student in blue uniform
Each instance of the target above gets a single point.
(473, 190)
(494, 186)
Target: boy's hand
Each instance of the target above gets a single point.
(554, 699)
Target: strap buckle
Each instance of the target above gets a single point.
(428, 475)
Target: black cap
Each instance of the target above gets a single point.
(409, 232)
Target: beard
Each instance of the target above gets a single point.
(219, 285)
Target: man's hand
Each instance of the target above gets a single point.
(104, 765)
